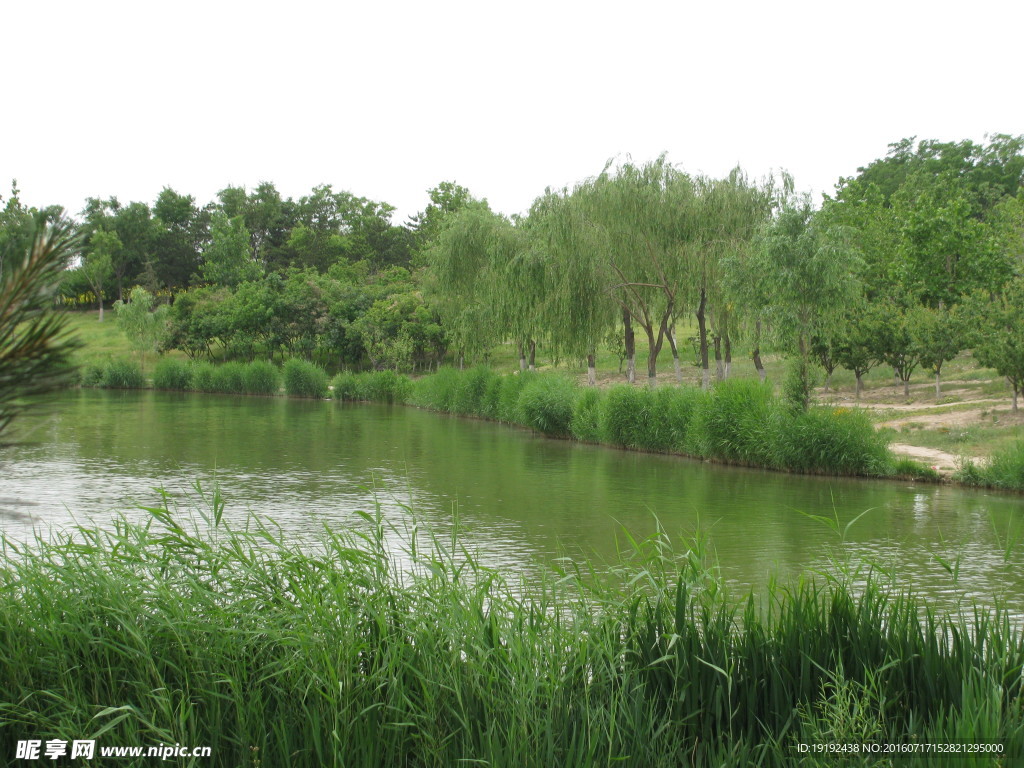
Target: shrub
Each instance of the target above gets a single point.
(229, 378)
(832, 440)
(123, 374)
(627, 417)
(587, 415)
(346, 386)
(546, 404)
(507, 400)
(385, 387)
(1005, 470)
(304, 379)
(172, 373)
(202, 377)
(92, 375)
(674, 410)
(469, 390)
(436, 392)
(738, 422)
(261, 377)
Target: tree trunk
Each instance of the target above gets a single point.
(728, 355)
(828, 380)
(627, 321)
(101, 310)
(592, 369)
(462, 361)
(1015, 391)
(533, 354)
(654, 347)
(670, 334)
(938, 386)
(522, 358)
(906, 388)
(895, 378)
(860, 386)
(702, 331)
(718, 357)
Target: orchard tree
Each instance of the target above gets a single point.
(856, 342)
(806, 274)
(940, 336)
(999, 343)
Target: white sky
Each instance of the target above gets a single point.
(388, 99)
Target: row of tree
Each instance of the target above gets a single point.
(886, 271)
(912, 260)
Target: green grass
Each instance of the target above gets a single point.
(171, 632)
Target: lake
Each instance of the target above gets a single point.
(520, 500)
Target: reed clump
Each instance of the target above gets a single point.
(1005, 470)
(738, 421)
(197, 633)
(304, 379)
(261, 377)
(118, 373)
(172, 373)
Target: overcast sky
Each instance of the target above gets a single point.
(388, 99)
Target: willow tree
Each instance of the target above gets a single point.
(461, 277)
(578, 308)
(729, 212)
(519, 287)
(643, 218)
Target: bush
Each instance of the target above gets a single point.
(304, 379)
(506, 403)
(546, 404)
(628, 418)
(832, 440)
(436, 392)
(92, 375)
(346, 386)
(202, 377)
(229, 378)
(385, 387)
(172, 373)
(737, 422)
(469, 390)
(261, 377)
(587, 416)
(122, 374)
(1005, 470)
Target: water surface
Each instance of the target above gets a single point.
(519, 499)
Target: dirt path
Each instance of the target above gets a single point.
(942, 462)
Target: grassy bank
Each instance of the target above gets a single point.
(166, 633)
(1005, 470)
(738, 421)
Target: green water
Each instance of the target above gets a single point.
(520, 499)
